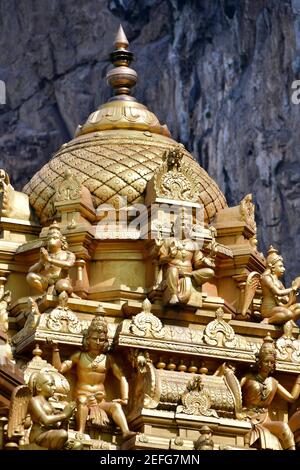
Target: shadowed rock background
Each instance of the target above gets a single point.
(217, 72)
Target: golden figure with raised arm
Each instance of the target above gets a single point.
(50, 273)
(92, 365)
(258, 392)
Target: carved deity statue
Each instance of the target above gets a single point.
(47, 424)
(183, 262)
(92, 365)
(204, 441)
(258, 392)
(279, 304)
(50, 273)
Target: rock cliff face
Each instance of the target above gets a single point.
(218, 72)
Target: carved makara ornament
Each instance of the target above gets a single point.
(33, 317)
(219, 394)
(63, 319)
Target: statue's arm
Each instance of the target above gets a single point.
(200, 260)
(64, 366)
(286, 395)
(268, 282)
(37, 412)
(209, 262)
(164, 253)
(36, 268)
(67, 263)
(118, 373)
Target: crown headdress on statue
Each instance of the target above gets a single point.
(267, 348)
(98, 324)
(54, 226)
(273, 256)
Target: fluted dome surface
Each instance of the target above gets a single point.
(113, 163)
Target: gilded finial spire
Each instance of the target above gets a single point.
(122, 78)
(122, 111)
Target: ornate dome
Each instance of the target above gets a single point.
(116, 151)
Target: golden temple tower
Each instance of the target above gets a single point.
(123, 262)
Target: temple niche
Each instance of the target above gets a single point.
(136, 311)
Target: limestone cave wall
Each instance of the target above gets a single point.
(218, 72)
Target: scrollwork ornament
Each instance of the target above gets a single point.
(174, 178)
(198, 403)
(219, 333)
(147, 324)
(59, 319)
(287, 347)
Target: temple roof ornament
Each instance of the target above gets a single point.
(175, 179)
(122, 111)
(116, 152)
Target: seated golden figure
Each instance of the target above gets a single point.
(183, 260)
(45, 418)
(92, 365)
(258, 392)
(31, 409)
(278, 304)
(50, 273)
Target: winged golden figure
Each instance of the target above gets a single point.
(279, 304)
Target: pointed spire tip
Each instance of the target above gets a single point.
(121, 40)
